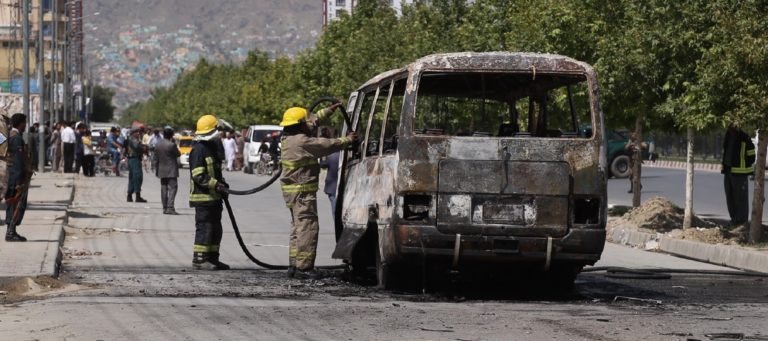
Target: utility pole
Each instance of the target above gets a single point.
(65, 51)
(54, 61)
(41, 87)
(25, 46)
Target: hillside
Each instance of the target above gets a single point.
(137, 45)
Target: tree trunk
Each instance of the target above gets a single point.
(758, 197)
(688, 218)
(638, 159)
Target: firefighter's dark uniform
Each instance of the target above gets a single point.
(205, 167)
(738, 159)
(300, 180)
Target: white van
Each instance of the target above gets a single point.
(253, 138)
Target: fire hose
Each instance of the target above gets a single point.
(275, 176)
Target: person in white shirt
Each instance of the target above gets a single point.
(230, 151)
(68, 140)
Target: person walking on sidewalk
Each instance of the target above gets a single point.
(737, 165)
(331, 163)
(240, 143)
(5, 126)
(89, 155)
(167, 170)
(56, 148)
(134, 152)
(79, 148)
(113, 148)
(300, 182)
(206, 192)
(19, 174)
(230, 151)
(68, 140)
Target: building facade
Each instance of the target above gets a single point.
(52, 63)
(333, 9)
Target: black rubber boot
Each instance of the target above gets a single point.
(139, 198)
(12, 236)
(204, 261)
(130, 197)
(291, 272)
(308, 274)
(214, 258)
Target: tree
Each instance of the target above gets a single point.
(103, 110)
(733, 73)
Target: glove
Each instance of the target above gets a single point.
(222, 188)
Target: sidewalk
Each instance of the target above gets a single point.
(49, 196)
(726, 255)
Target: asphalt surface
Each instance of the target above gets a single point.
(127, 276)
(708, 192)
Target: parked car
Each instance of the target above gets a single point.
(253, 138)
(185, 143)
(617, 156)
(473, 163)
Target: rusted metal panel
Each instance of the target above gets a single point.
(370, 185)
(504, 177)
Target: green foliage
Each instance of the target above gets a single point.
(687, 63)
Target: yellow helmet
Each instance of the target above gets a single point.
(293, 116)
(206, 124)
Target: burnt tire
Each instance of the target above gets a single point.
(385, 276)
(620, 167)
(388, 276)
(560, 279)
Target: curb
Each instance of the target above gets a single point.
(52, 260)
(730, 256)
(708, 167)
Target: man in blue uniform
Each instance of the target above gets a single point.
(134, 151)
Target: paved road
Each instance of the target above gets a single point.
(708, 193)
(140, 286)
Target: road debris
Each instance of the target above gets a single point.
(78, 254)
(437, 330)
(115, 229)
(715, 318)
(635, 299)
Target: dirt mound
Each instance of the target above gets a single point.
(25, 288)
(661, 215)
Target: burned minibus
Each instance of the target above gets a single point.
(475, 161)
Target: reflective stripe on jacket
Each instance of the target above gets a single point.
(301, 170)
(738, 153)
(205, 171)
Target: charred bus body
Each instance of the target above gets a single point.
(470, 160)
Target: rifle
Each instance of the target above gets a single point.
(22, 188)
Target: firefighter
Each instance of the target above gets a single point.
(299, 182)
(206, 192)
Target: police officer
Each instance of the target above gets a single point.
(134, 152)
(300, 179)
(207, 190)
(19, 174)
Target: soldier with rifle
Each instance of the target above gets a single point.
(19, 175)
